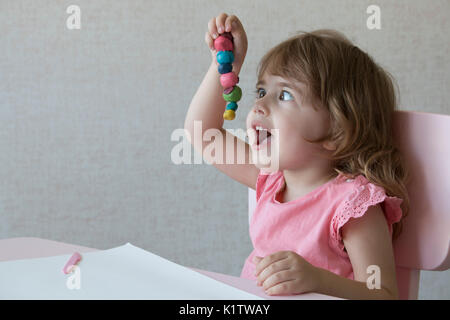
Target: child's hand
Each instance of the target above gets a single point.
(224, 23)
(285, 272)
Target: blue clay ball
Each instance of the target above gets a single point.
(225, 68)
(225, 57)
(232, 106)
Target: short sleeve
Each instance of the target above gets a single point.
(355, 205)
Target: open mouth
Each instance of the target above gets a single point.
(262, 135)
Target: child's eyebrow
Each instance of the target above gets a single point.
(282, 84)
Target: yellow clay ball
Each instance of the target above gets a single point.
(229, 115)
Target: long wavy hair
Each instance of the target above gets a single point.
(360, 97)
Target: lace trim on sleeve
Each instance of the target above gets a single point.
(356, 206)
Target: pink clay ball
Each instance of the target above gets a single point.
(223, 44)
(228, 79)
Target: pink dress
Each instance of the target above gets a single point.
(310, 225)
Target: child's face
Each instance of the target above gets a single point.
(284, 105)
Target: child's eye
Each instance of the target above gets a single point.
(283, 93)
(258, 92)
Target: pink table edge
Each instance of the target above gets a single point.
(31, 247)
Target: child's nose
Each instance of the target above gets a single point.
(263, 110)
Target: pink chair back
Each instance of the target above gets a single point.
(424, 140)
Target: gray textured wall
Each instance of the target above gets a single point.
(86, 115)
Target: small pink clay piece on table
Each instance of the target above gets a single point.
(74, 259)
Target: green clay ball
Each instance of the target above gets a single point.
(234, 95)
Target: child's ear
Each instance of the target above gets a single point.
(329, 145)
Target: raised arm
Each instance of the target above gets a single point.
(207, 106)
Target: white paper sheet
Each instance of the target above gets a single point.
(125, 272)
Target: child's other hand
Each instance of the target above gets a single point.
(224, 23)
(285, 272)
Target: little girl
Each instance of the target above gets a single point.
(325, 219)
